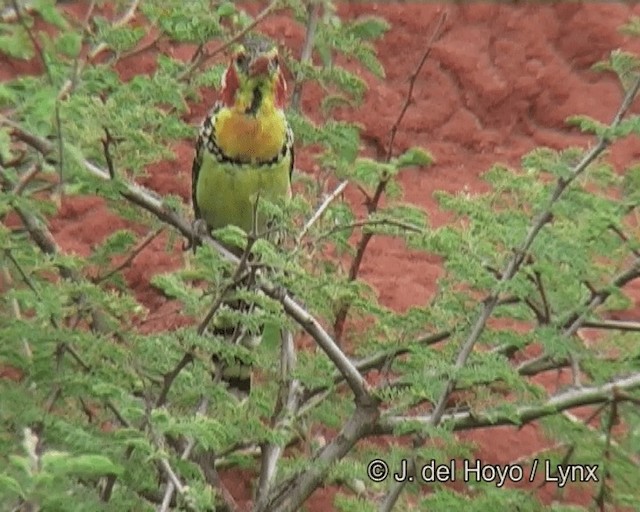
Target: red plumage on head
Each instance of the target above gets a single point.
(281, 90)
(230, 85)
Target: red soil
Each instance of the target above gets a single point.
(499, 82)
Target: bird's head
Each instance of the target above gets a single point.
(253, 79)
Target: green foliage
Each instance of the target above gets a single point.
(97, 404)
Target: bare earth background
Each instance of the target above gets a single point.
(499, 82)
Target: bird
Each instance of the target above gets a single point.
(244, 153)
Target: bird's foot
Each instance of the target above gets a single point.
(199, 230)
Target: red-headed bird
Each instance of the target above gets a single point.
(244, 152)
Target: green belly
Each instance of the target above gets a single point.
(226, 193)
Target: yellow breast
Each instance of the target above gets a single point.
(249, 138)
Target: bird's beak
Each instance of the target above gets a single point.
(260, 66)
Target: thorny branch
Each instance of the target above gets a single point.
(570, 399)
(373, 202)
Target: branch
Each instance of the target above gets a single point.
(569, 399)
(600, 296)
(291, 494)
(132, 255)
(285, 412)
(375, 362)
(372, 203)
(603, 489)
(354, 379)
(169, 377)
(578, 321)
(412, 82)
(614, 325)
(372, 222)
(41, 145)
(321, 209)
(313, 11)
(186, 453)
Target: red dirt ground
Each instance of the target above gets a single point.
(499, 82)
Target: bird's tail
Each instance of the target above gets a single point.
(237, 375)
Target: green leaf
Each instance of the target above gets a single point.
(632, 27)
(61, 463)
(69, 43)
(10, 485)
(368, 27)
(15, 42)
(50, 13)
(625, 65)
(588, 124)
(5, 144)
(7, 95)
(370, 172)
(413, 156)
(226, 9)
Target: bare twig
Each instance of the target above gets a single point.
(26, 178)
(412, 82)
(186, 453)
(149, 46)
(372, 203)
(107, 142)
(614, 325)
(602, 495)
(569, 399)
(285, 411)
(313, 11)
(321, 209)
(623, 237)
(365, 223)
(543, 296)
(169, 377)
(132, 255)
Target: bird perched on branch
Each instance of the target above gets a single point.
(244, 153)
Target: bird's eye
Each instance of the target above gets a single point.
(241, 59)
